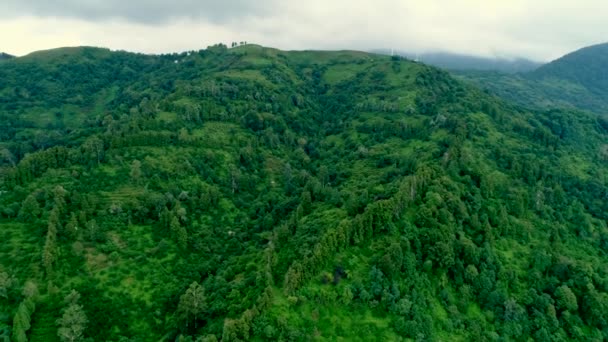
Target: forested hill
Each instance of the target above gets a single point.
(577, 80)
(257, 194)
(587, 67)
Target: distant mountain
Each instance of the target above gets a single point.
(578, 79)
(460, 62)
(587, 67)
(463, 62)
(4, 56)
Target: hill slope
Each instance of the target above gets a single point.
(257, 194)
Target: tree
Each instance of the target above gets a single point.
(93, 149)
(147, 108)
(93, 231)
(74, 320)
(7, 156)
(403, 307)
(59, 198)
(30, 209)
(49, 253)
(229, 333)
(174, 225)
(235, 176)
(566, 299)
(72, 226)
(21, 322)
(347, 295)
(135, 171)
(182, 135)
(182, 237)
(6, 282)
(22, 318)
(306, 202)
(192, 303)
(54, 218)
(323, 175)
(392, 261)
(30, 290)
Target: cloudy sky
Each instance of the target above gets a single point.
(537, 29)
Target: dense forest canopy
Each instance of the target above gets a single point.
(256, 194)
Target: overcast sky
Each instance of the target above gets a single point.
(537, 29)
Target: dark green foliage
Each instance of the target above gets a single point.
(255, 194)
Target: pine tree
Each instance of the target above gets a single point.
(21, 323)
(22, 318)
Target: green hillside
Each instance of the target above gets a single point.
(252, 194)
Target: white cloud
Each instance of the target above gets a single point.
(540, 29)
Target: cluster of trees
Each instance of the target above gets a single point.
(235, 44)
